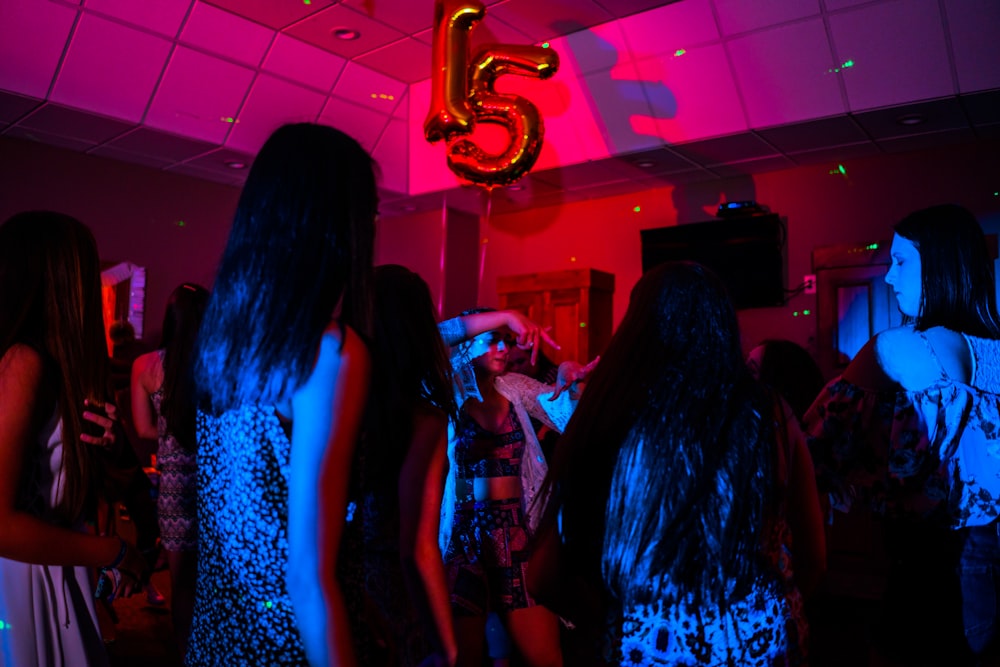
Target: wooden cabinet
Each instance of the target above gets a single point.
(576, 304)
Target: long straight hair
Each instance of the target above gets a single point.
(410, 366)
(50, 299)
(663, 473)
(301, 245)
(183, 316)
(958, 288)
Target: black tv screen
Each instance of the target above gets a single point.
(746, 253)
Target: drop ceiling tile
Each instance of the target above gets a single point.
(691, 96)
(14, 106)
(917, 142)
(584, 174)
(898, 53)
(304, 63)
(391, 155)
(32, 38)
(783, 76)
(405, 16)
(938, 115)
(224, 34)
(649, 163)
(153, 161)
(574, 130)
(625, 8)
(363, 86)
(545, 20)
(47, 138)
(671, 28)
(407, 60)
(734, 148)
(836, 155)
(976, 48)
(616, 103)
(67, 122)
(596, 49)
(171, 147)
(402, 110)
(273, 14)
(738, 16)
(162, 16)
(813, 134)
(834, 5)
(364, 124)
(747, 167)
(198, 94)
(982, 108)
(218, 161)
(110, 69)
(318, 29)
(272, 102)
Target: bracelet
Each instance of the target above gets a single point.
(119, 558)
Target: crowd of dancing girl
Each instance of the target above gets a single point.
(345, 479)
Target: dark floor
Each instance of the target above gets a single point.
(841, 634)
(143, 635)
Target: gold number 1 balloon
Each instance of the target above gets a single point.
(463, 93)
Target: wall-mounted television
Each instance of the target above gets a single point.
(747, 253)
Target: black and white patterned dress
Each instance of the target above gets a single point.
(243, 612)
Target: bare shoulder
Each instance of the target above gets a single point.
(22, 362)
(915, 359)
(147, 369)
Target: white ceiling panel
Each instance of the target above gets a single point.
(110, 69)
(975, 48)
(272, 102)
(739, 16)
(33, 36)
(677, 26)
(784, 74)
(304, 63)
(896, 50)
(200, 96)
(163, 17)
(224, 34)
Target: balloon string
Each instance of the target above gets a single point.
(484, 223)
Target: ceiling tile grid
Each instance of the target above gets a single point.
(225, 34)
(304, 63)
(722, 87)
(271, 103)
(33, 37)
(199, 96)
(974, 47)
(110, 68)
(897, 50)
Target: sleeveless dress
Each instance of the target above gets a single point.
(47, 612)
(176, 501)
(243, 613)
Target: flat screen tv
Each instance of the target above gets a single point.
(746, 253)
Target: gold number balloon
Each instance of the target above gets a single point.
(463, 94)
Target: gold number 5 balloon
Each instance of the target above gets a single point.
(463, 94)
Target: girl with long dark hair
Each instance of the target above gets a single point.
(163, 408)
(281, 374)
(53, 377)
(669, 493)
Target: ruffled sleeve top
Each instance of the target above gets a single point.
(910, 452)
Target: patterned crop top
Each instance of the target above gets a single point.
(481, 453)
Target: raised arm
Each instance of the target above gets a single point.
(464, 327)
(326, 414)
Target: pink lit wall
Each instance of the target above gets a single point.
(135, 213)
